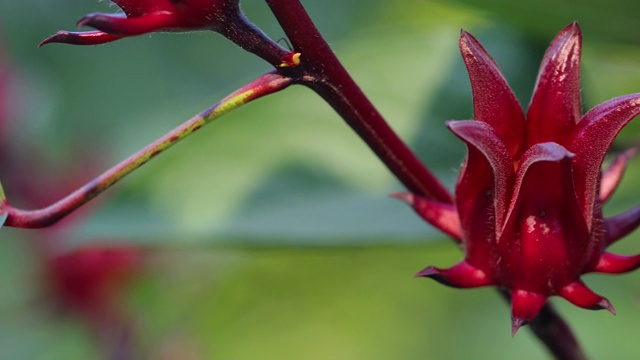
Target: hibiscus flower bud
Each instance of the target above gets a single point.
(145, 16)
(528, 202)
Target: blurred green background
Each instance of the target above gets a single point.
(269, 234)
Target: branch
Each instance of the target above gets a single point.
(262, 86)
(323, 72)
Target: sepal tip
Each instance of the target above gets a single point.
(407, 197)
(461, 275)
(525, 306)
(606, 305)
(580, 295)
(516, 324)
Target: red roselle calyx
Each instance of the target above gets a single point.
(528, 200)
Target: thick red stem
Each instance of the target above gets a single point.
(323, 72)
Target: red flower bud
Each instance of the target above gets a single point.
(144, 16)
(529, 197)
(91, 279)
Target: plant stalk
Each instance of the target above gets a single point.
(262, 86)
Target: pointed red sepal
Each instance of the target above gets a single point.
(461, 275)
(493, 100)
(525, 306)
(555, 106)
(612, 176)
(580, 295)
(590, 141)
(621, 225)
(516, 324)
(125, 26)
(80, 38)
(609, 263)
(442, 216)
(495, 174)
(544, 160)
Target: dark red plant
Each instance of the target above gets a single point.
(528, 202)
(527, 205)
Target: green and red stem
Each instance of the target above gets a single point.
(262, 86)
